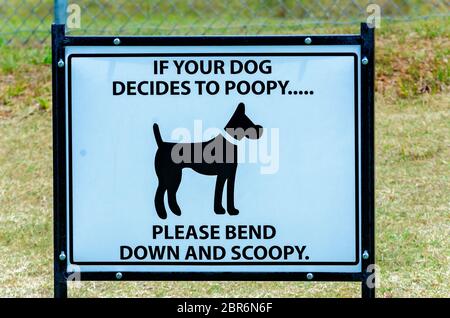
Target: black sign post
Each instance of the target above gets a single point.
(368, 159)
(60, 41)
(59, 162)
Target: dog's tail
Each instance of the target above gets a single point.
(157, 134)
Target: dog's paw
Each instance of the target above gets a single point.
(233, 211)
(219, 210)
(173, 205)
(176, 210)
(162, 216)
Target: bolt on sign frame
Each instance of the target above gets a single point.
(60, 41)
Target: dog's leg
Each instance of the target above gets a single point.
(172, 192)
(230, 194)
(220, 182)
(159, 195)
(159, 202)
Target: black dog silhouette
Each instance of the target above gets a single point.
(215, 157)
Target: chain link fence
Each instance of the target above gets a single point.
(28, 21)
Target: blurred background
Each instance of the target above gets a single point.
(29, 20)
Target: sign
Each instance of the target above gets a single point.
(215, 158)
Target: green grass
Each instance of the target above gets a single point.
(412, 178)
(30, 20)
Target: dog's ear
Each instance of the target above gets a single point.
(240, 109)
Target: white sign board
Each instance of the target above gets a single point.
(213, 159)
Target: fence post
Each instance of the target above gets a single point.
(60, 7)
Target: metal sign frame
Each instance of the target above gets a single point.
(367, 42)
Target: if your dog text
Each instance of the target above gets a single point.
(203, 79)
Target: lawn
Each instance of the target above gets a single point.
(412, 177)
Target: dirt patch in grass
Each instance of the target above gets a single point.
(417, 66)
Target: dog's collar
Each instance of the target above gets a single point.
(230, 138)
